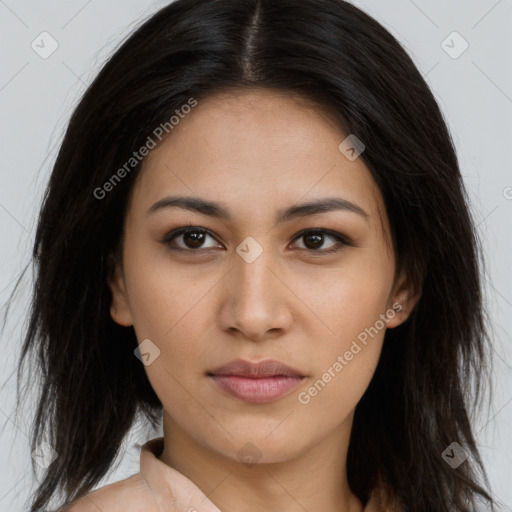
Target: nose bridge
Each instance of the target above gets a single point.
(253, 279)
(256, 295)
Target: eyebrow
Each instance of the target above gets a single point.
(213, 209)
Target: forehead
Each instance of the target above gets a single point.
(257, 150)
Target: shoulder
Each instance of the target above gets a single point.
(129, 495)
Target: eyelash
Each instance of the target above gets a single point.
(342, 240)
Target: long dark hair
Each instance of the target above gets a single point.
(432, 366)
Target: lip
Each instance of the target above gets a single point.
(256, 382)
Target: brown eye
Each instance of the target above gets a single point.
(193, 239)
(190, 238)
(313, 240)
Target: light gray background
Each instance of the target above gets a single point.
(37, 96)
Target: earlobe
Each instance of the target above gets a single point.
(403, 300)
(119, 306)
(396, 314)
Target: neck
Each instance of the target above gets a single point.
(313, 480)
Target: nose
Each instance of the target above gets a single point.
(256, 299)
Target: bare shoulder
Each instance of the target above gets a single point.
(129, 495)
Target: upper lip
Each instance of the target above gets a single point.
(266, 368)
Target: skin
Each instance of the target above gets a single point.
(257, 152)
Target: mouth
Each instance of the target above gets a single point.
(256, 382)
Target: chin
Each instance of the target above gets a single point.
(258, 448)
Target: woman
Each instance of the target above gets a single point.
(256, 229)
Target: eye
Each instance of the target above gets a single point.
(315, 238)
(192, 238)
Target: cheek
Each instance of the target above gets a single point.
(343, 373)
(348, 300)
(350, 303)
(169, 315)
(165, 301)
(168, 309)
(345, 370)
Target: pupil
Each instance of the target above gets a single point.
(319, 239)
(194, 239)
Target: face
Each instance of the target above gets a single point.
(260, 280)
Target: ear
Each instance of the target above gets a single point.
(402, 300)
(119, 307)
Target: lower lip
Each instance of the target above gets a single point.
(257, 390)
